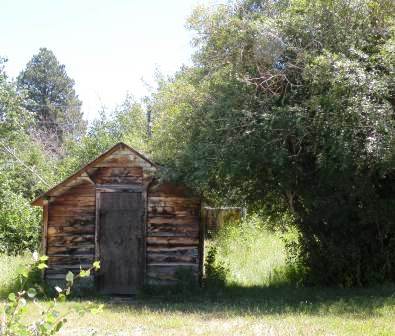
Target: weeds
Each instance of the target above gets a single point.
(248, 253)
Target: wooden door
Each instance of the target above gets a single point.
(120, 241)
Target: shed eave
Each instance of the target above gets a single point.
(39, 200)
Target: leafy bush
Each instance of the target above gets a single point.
(215, 271)
(19, 224)
(248, 253)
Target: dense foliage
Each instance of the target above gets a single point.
(292, 103)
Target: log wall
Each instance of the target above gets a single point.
(173, 234)
(172, 228)
(71, 231)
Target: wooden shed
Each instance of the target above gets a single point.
(114, 210)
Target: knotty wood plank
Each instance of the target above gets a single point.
(172, 241)
(55, 221)
(76, 229)
(66, 250)
(69, 260)
(161, 219)
(71, 240)
(119, 180)
(156, 258)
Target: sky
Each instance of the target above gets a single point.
(109, 47)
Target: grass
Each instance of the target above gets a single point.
(251, 311)
(254, 302)
(9, 266)
(251, 254)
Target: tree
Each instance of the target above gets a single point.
(24, 172)
(294, 101)
(127, 123)
(51, 97)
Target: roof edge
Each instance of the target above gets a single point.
(39, 200)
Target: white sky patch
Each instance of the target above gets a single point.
(108, 47)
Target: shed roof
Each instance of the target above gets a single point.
(82, 173)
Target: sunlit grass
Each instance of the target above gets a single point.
(253, 303)
(9, 266)
(254, 311)
(252, 254)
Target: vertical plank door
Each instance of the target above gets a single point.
(121, 227)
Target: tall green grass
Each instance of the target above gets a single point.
(252, 254)
(10, 266)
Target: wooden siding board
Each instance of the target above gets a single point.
(173, 234)
(71, 229)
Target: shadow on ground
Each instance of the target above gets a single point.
(363, 303)
(252, 301)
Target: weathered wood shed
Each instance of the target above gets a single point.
(113, 210)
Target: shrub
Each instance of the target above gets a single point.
(19, 224)
(248, 253)
(216, 271)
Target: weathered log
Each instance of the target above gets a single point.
(173, 201)
(66, 267)
(174, 234)
(179, 249)
(71, 240)
(156, 258)
(166, 272)
(70, 211)
(119, 180)
(171, 219)
(172, 241)
(70, 260)
(66, 250)
(81, 202)
(85, 219)
(173, 210)
(172, 228)
(75, 229)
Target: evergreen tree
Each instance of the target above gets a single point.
(51, 97)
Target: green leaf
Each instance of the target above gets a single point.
(22, 271)
(31, 293)
(44, 258)
(96, 265)
(42, 266)
(58, 326)
(70, 277)
(12, 297)
(84, 274)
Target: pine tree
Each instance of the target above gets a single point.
(51, 97)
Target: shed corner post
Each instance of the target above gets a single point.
(44, 231)
(143, 249)
(202, 236)
(97, 232)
